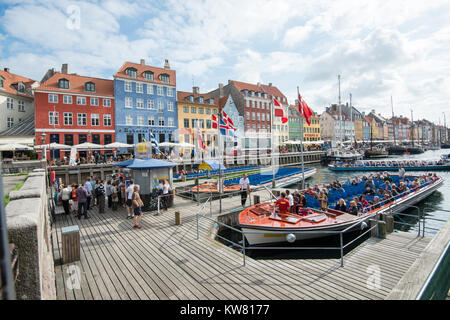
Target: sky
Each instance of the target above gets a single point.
(379, 48)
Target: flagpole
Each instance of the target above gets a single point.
(273, 142)
(301, 138)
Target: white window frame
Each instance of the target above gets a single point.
(94, 102)
(53, 98)
(21, 106)
(95, 116)
(107, 120)
(81, 116)
(139, 87)
(150, 104)
(10, 103)
(140, 120)
(150, 89)
(160, 90)
(151, 120)
(79, 99)
(170, 122)
(139, 103)
(129, 120)
(128, 86)
(55, 116)
(128, 105)
(10, 122)
(67, 99)
(68, 117)
(160, 106)
(170, 92)
(106, 102)
(161, 121)
(170, 106)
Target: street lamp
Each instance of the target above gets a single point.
(89, 149)
(43, 135)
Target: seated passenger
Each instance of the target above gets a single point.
(341, 206)
(376, 203)
(369, 192)
(353, 208)
(283, 204)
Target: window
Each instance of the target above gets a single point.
(186, 109)
(139, 87)
(140, 103)
(150, 104)
(81, 100)
(10, 103)
(208, 124)
(149, 89)
(263, 116)
(162, 137)
(248, 115)
(68, 121)
(67, 99)
(200, 110)
(170, 92)
(191, 99)
(253, 116)
(128, 102)
(21, 105)
(82, 119)
(160, 106)
(161, 121)
(96, 138)
(68, 139)
(131, 72)
(202, 123)
(107, 102)
(170, 106)
(130, 138)
(211, 101)
(94, 101)
(129, 120)
(107, 120)
(165, 78)
(89, 86)
(214, 111)
(107, 139)
(193, 110)
(151, 121)
(53, 98)
(186, 123)
(258, 116)
(187, 138)
(2, 82)
(82, 138)
(10, 122)
(148, 75)
(194, 123)
(208, 111)
(140, 137)
(170, 122)
(53, 118)
(200, 99)
(128, 87)
(63, 84)
(140, 121)
(95, 119)
(160, 90)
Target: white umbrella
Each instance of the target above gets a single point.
(118, 145)
(88, 145)
(185, 145)
(14, 147)
(167, 144)
(52, 146)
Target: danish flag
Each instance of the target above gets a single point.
(214, 122)
(279, 111)
(304, 108)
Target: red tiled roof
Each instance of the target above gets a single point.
(11, 79)
(103, 87)
(142, 68)
(182, 97)
(270, 90)
(274, 91)
(223, 101)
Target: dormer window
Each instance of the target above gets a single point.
(258, 94)
(211, 101)
(131, 72)
(191, 98)
(148, 75)
(252, 93)
(2, 82)
(20, 87)
(165, 78)
(265, 95)
(245, 92)
(200, 99)
(89, 86)
(63, 84)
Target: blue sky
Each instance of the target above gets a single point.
(380, 48)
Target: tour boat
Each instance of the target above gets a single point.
(262, 225)
(376, 152)
(342, 155)
(408, 165)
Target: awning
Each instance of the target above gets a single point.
(148, 164)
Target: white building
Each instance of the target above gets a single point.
(335, 127)
(16, 99)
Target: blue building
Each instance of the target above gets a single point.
(145, 102)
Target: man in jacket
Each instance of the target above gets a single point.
(82, 195)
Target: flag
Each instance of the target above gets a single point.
(214, 122)
(279, 111)
(201, 144)
(228, 121)
(303, 107)
(154, 142)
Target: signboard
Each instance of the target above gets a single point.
(143, 150)
(73, 156)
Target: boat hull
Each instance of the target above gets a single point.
(422, 168)
(260, 236)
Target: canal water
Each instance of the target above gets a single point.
(440, 199)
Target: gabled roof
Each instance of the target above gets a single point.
(23, 128)
(246, 86)
(223, 101)
(141, 68)
(274, 92)
(103, 87)
(10, 84)
(182, 96)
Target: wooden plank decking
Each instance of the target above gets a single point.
(165, 261)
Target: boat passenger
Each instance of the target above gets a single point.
(376, 203)
(283, 203)
(401, 171)
(416, 184)
(309, 191)
(353, 208)
(316, 188)
(369, 184)
(290, 199)
(363, 201)
(369, 192)
(323, 198)
(341, 206)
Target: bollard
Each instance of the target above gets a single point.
(389, 224)
(177, 218)
(256, 199)
(373, 232)
(70, 244)
(382, 229)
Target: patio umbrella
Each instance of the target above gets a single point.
(168, 144)
(14, 147)
(88, 145)
(184, 145)
(52, 146)
(118, 145)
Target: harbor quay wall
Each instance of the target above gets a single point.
(78, 174)
(28, 221)
(10, 166)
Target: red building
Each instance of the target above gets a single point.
(73, 109)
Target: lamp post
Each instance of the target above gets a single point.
(89, 149)
(43, 135)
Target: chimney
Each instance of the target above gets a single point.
(143, 62)
(220, 90)
(270, 84)
(166, 64)
(258, 84)
(65, 68)
(230, 81)
(195, 89)
(6, 69)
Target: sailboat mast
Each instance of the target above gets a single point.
(393, 120)
(412, 128)
(301, 137)
(340, 111)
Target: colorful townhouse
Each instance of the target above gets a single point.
(73, 109)
(194, 111)
(311, 133)
(16, 99)
(145, 103)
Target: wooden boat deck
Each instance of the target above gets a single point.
(165, 261)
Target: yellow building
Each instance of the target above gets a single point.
(312, 132)
(196, 107)
(359, 132)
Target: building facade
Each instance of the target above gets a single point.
(16, 99)
(311, 132)
(145, 103)
(73, 109)
(294, 123)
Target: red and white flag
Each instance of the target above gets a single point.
(304, 108)
(214, 122)
(279, 111)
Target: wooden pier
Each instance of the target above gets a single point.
(166, 261)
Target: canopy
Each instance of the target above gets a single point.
(184, 145)
(211, 165)
(14, 147)
(126, 162)
(168, 144)
(88, 145)
(118, 145)
(52, 146)
(148, 164)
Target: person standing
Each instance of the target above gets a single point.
(74, 199)
(93, 183)
(65, 197)
(82, 195)
(114, 195)
(165, 194)
(129, 196)
(401, 172)
(100, 195)
(323, 201)
(244, 183)
(109, 193)
(88, 187)
(137, 207)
